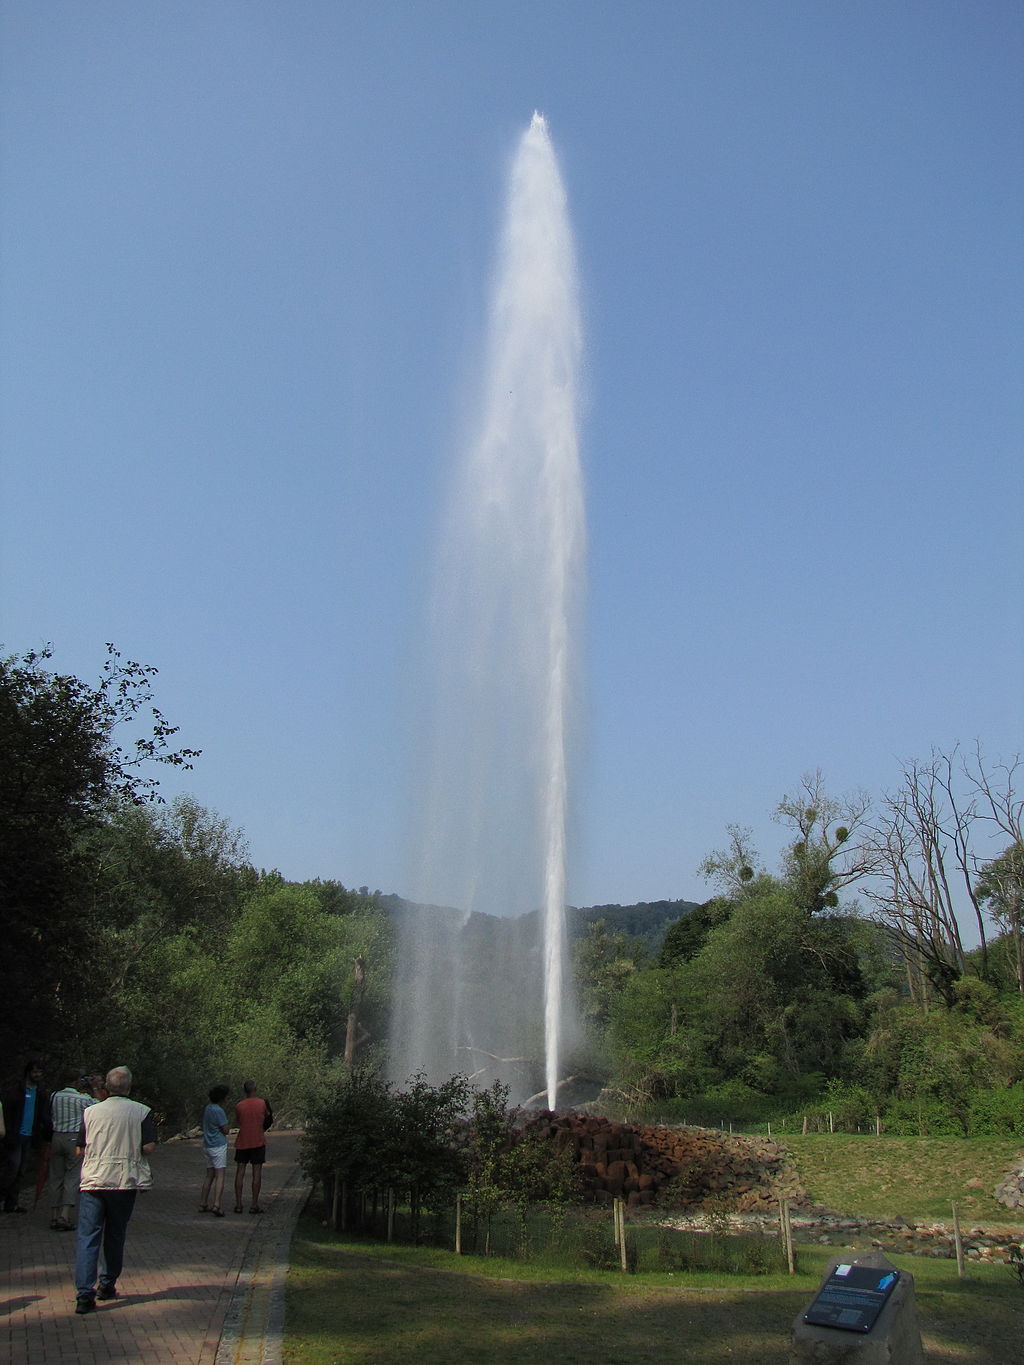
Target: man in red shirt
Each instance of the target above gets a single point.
(254, 1117)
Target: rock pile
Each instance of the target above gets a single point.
(1010, 1190)
(678, 1167)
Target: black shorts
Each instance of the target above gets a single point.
(250, 1156)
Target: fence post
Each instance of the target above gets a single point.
(458, 1225)
(620, 1231)
(959, 1241)
(787, 1234)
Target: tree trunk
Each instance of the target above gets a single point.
(352, 1028)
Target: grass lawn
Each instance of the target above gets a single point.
(357, 1303)
(911, 1178)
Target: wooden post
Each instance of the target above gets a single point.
(878, 1125)
(769, 1127)
(831, 1124)
(959, 1241)
(787, 1235)
(458, 1225)
(620, 1232)
(805, 1126)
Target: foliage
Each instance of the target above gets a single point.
(122, 914)
(65, 767)
(602, 963)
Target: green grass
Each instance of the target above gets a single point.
(362, 1303)
(912, 1178)
(359, 1304)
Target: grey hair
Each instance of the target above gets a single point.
(119, 1080)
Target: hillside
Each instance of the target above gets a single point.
(644, 922)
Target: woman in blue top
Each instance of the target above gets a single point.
(215, 1149)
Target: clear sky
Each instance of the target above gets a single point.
(245, 250)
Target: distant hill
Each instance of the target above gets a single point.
(645, 922)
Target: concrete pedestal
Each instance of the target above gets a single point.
(895, 1339)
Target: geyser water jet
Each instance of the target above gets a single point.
(503, 637)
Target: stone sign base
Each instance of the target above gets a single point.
(895, 1338)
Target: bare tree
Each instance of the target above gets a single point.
(929, 868)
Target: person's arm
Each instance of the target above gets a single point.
(148, 1134)
(80, 1142)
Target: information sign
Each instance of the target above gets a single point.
(852, 1298)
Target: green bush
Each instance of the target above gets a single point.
(998, 1112)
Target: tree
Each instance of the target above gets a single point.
(1000, 888)
(734, 867)
(829, 852)
(930, 869)
(602, 964)
(687, 935)
(65, 767)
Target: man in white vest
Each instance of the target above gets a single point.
(115, 1139)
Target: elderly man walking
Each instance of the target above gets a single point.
(116, 1137)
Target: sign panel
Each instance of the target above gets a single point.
(852, 1298)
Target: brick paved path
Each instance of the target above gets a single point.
(195, 1290)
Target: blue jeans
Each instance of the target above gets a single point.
(102, 1220)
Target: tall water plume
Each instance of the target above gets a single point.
(484, 999)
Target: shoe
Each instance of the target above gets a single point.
(204, 1208)
(85, 1303)
(256, 1209)
(106, 1291)
(238, 1208)
(217, 1213)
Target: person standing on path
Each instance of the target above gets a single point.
(116, 1137)
(215, 1149)
(66, 1109)
(27, 1116)
(254, 1117)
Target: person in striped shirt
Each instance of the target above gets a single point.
(66, 1109)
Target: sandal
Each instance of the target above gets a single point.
(255, 1209)
(238, 1208)
(217, 1213)
(204, 1208)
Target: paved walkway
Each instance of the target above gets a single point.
(195, 1290)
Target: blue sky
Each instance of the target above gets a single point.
(244, 257)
